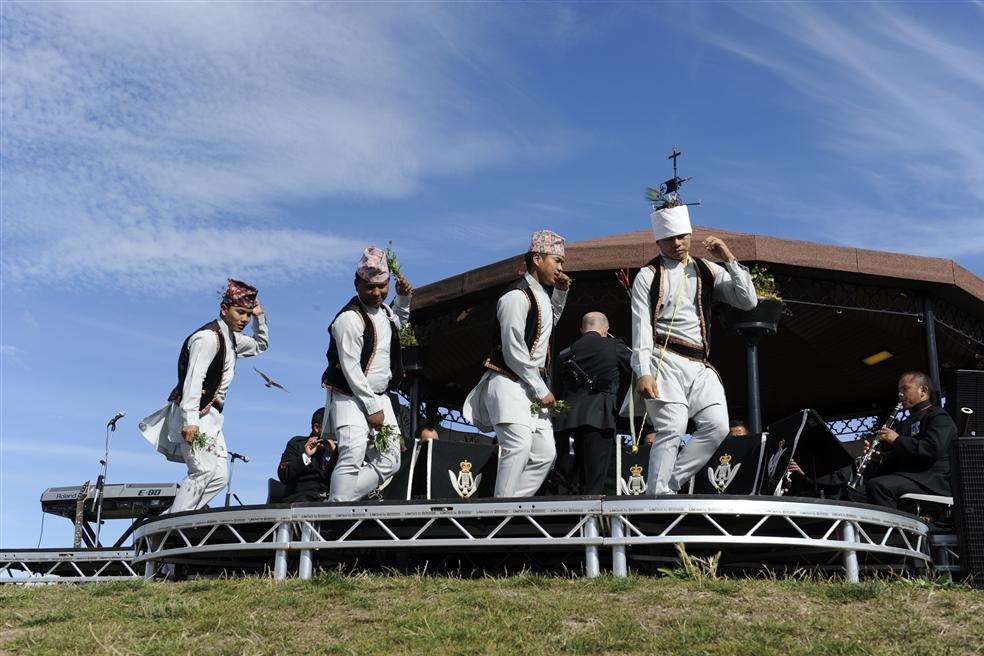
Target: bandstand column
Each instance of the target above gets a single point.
(932, 355)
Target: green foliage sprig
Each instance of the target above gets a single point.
(384, 436)
(408, 337)
(765, 283)
(202, 442)
(662, 201)
(560, 408)
(392, 262)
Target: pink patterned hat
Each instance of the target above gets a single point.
(240, 294)
(547, 242)
(372, 266)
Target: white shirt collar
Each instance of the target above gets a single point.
(370, 310)
(670, 263)
(226, 332)
(534, 283)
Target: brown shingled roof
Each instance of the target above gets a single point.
(634, 249)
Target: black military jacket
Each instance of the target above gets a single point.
(921, 453)
(600, 358)
(304, 482)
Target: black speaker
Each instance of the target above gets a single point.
(964, 388)
(967, 480)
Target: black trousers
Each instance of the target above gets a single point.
(588, 469)
(303, 496)
(885, 490)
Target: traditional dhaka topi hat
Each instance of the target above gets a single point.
(240, 294)
(373, 267)
(670, 222)
(548, 243)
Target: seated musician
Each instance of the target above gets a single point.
(916, 458)
(307, 464)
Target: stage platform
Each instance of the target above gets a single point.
(581, 535)
(66, 565)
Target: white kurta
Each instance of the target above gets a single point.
(163, 428)
(497, 399)
(368, 388)
(360, 468)
(677, 374)
(687, 389)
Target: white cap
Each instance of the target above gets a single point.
(671, 222)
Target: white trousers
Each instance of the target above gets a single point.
(670, 468)
(361, 468)
(207, 475)
(526, 455)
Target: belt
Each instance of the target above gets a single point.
(687, 349)
(488, 364)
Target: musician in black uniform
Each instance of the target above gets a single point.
(917, 457)
(307, 464)
(587, 376)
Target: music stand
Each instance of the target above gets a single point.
(806, 438)
(445, 464)
(735, 468)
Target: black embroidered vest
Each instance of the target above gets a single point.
(334, 377)
(531, 332)
(213, 375)
(702, 302)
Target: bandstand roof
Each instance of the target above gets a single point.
(843, 304)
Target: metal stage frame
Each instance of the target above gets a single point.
(67, 565)
(752, 533)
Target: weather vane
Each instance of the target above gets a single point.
(667, 195)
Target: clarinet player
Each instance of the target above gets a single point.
(916, 457)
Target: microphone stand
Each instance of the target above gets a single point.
(233, 457)
(101, 481)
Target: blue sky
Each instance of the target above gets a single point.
(150, 151)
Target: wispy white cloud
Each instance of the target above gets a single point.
(161, 140)
(896, 97)
(15, 355)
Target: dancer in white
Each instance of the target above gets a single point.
(671, 319)
(504, 398)
(364, 362)
(189, 428)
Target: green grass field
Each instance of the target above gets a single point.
(525, 614)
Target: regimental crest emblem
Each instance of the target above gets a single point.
(464, 483)
(775, 458)
(722, 477)
(914, 429)
(636, 484)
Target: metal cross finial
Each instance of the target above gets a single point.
(676, 153)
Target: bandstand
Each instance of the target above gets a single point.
(843, 305)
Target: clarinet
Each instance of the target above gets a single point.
(858, 478)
